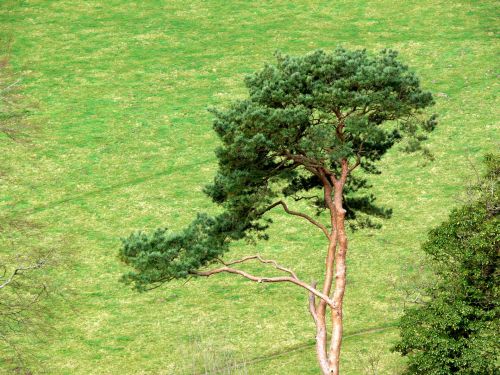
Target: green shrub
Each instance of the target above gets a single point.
(454, 331)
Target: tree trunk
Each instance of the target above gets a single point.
(321, 347)
(321, 332)
(340, 280)
(335, 269)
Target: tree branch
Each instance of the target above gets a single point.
(349, 113)
(259, 258)
(303, 160)
(299, 198)
(356, 164)
(312, 303)
(327, 192)
(7, 88)
(261, 279)
(18, 271)
(358, 159)
(300, 214)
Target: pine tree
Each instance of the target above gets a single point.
(307, 125)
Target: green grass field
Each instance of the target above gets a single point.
(121, 140)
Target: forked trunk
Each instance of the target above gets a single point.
(329, 359)
(321, 331)
(335, 271)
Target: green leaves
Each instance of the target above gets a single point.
(455, 331)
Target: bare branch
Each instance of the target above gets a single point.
(300, 214)
(355, 165)
(260, 279)
(327, 192)
(349, 113)
(10, 86)
(309, 163)
(259, 258)
(309, 197)
(358, 160)
(312, 303)
(303, 160)
(19, 271)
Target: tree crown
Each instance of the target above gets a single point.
(305, 118)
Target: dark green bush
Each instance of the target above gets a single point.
(455, 330)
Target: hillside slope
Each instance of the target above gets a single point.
(125, 142)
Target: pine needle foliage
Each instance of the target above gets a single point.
(302, 113)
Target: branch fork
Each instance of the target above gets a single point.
(18, 271)
(263, 279)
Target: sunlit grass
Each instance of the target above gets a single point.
(125, 142)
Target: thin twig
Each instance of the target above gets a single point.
(20, 270)
(9, 86)
(260, 259)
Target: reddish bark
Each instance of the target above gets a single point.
(335, 270)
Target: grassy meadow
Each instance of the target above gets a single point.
(121, 140)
